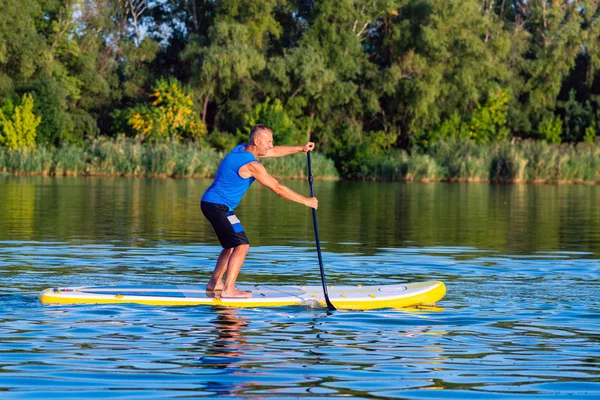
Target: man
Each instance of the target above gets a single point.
(234, 176)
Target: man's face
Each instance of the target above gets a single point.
(264, 142)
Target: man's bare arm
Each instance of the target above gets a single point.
(258, 171)
(280, 151)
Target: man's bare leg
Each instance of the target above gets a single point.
(216, 280)
(236, 260)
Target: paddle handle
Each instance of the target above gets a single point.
(316, 226)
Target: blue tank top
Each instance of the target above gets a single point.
(229, 187)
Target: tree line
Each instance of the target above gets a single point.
(359, 77)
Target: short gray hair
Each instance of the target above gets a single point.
(256, 129)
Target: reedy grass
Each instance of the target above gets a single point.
(542, 162)
(68, 160)
(461, 161)
(118, 156)
(123, 156)
(391, 166)
(506, 163)
(580, 164)
(398, 165)
(36, 160)
(423, 167)
(522, 161)
(296, 166)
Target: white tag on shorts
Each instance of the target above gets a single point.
(233, 219)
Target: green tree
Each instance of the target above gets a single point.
(325, 80)
(551, 128)
(22, 48)
(18, 124)
(171, 114)
(488, 121)
(554, 41)
(51, 102)
(578, 117)
(441, 58)
(272, 114)
(226, 60)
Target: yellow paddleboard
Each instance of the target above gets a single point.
(342, 297)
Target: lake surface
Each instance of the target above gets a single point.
(520, 319)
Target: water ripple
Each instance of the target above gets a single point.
(506, 330)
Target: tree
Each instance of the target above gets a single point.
(225, 61)
(171, 114)
(444, 57)
(272, 114)
(18, 124)
(22, 48)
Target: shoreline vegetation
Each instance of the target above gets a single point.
(127, 157)
(445, 161)
(428, 90)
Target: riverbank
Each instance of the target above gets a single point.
(507, 162)
(130, 158)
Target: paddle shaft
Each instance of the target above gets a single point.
(314, 215)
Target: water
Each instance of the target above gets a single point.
(520, 319)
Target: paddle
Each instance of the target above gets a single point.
(314, 214)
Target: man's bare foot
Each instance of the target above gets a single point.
(214, 287)
(235, 294)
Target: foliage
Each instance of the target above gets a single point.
(51, 103)
(123, 156)
(452, 160)
(551, 129)
(69, 159)
(452, 128)
(294, 166)
(18, 124)
(27, 160)
(171, 114)
(461, 159)
(272, 114)
(361, 78)
(577, 117)
(223, 140)
(488, 121)
(20, 43)
(591, 132)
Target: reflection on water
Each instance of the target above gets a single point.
(228, 348)
(356, 215)
(227, 351)
(519, 319)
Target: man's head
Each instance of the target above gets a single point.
(262, 138)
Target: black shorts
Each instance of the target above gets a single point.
(227, 226)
